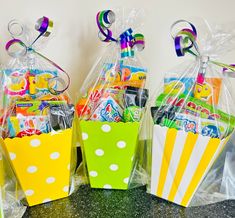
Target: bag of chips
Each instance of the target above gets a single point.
(111, 105)
(192, 119)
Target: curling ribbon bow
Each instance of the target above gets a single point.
(44, 26)
(128, 42)
(185, 42)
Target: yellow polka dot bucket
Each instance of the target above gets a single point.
(42, 165)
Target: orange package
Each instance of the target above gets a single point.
(215, 84)
(209, 91)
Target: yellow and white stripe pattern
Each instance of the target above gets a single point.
(180, 161)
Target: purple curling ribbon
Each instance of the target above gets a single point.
(104, 20)
(185, 39)
(18, 53)
(128, 42)
(185, 42)
(44, 26)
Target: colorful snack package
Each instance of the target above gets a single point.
(95, 97)
(83, 111)
(110, 73)
(40, 80)
(116, 94)
(208, 89)
(214, 129)
(49, 97)
(215, 84)
(122, 73)
(25, 83)
(34, 108)
(108, 110)
(121, 85)
(174, 86)
(131, 73)
(205, 127)
(189, 105)
(16, 84)
(30, 125)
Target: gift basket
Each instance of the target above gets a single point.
(110, 106)
(37, 115)
(10, 192)
(192, 119)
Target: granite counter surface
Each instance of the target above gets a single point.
(96, 203)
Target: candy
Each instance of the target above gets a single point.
(193, 124)
(105, 101)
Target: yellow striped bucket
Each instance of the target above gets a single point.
(180, 161)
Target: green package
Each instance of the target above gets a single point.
(189, 105)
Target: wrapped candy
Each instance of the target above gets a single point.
(37, 115)
(192, 119)
(111, 105)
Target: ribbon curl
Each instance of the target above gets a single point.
(44, 26)
(186, 42)
(128, 42)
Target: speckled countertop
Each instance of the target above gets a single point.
(94, 203)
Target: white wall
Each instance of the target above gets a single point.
(76, 46)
